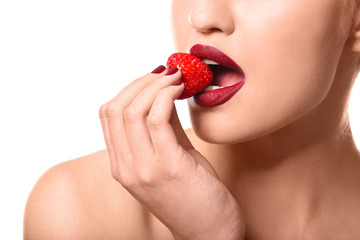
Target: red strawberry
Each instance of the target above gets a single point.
(196, 74)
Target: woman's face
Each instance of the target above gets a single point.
(288, 50)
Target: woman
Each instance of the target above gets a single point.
(275, 161)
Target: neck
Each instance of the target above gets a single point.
(293, 173)
(287, 182)
(301, 154)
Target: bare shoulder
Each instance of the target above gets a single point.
(79, 199)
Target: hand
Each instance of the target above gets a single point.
(154, 160)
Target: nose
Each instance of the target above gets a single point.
(207, 16)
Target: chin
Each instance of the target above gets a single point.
(214, 137)
(226, 134)
(219, 128)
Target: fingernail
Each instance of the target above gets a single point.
(177, 83)
(172, 71)
(159, 69)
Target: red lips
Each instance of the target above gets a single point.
(228, 76)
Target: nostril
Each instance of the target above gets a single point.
(211, 30)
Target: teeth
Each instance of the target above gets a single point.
(210, 87)
(207, 61)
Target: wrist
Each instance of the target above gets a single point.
(231, 227)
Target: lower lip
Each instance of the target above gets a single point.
(219, 96)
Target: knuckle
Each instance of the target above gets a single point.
(102, 111)
(129, 183)
(176, 169)
(165, 93)
(115, 175)
(155, 121)
(155, 176)
(173, 173)
(126, 179)
(110, 109)
(147, 179)
(131, 114)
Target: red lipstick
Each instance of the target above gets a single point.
(228, 76)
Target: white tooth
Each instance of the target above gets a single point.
(210, 87)
(207, 61)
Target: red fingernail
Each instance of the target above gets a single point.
(159, 69)
(172, 71)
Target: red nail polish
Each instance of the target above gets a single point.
(159, 69)
(172, 71)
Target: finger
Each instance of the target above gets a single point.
(114, 115)
(109, 147)
(161, 131)
(139, 84)
(184, 141)
(136, 114)
(180, 134)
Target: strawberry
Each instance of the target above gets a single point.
(196, 74)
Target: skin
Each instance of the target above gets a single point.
(277, 161)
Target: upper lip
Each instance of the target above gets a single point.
(214, 54)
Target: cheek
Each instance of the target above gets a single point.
(300, 41)
(290, 57)
(296, 55)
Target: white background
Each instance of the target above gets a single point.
(59, 61)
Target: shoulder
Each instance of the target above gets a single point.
(80, 199)
(58, 207)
